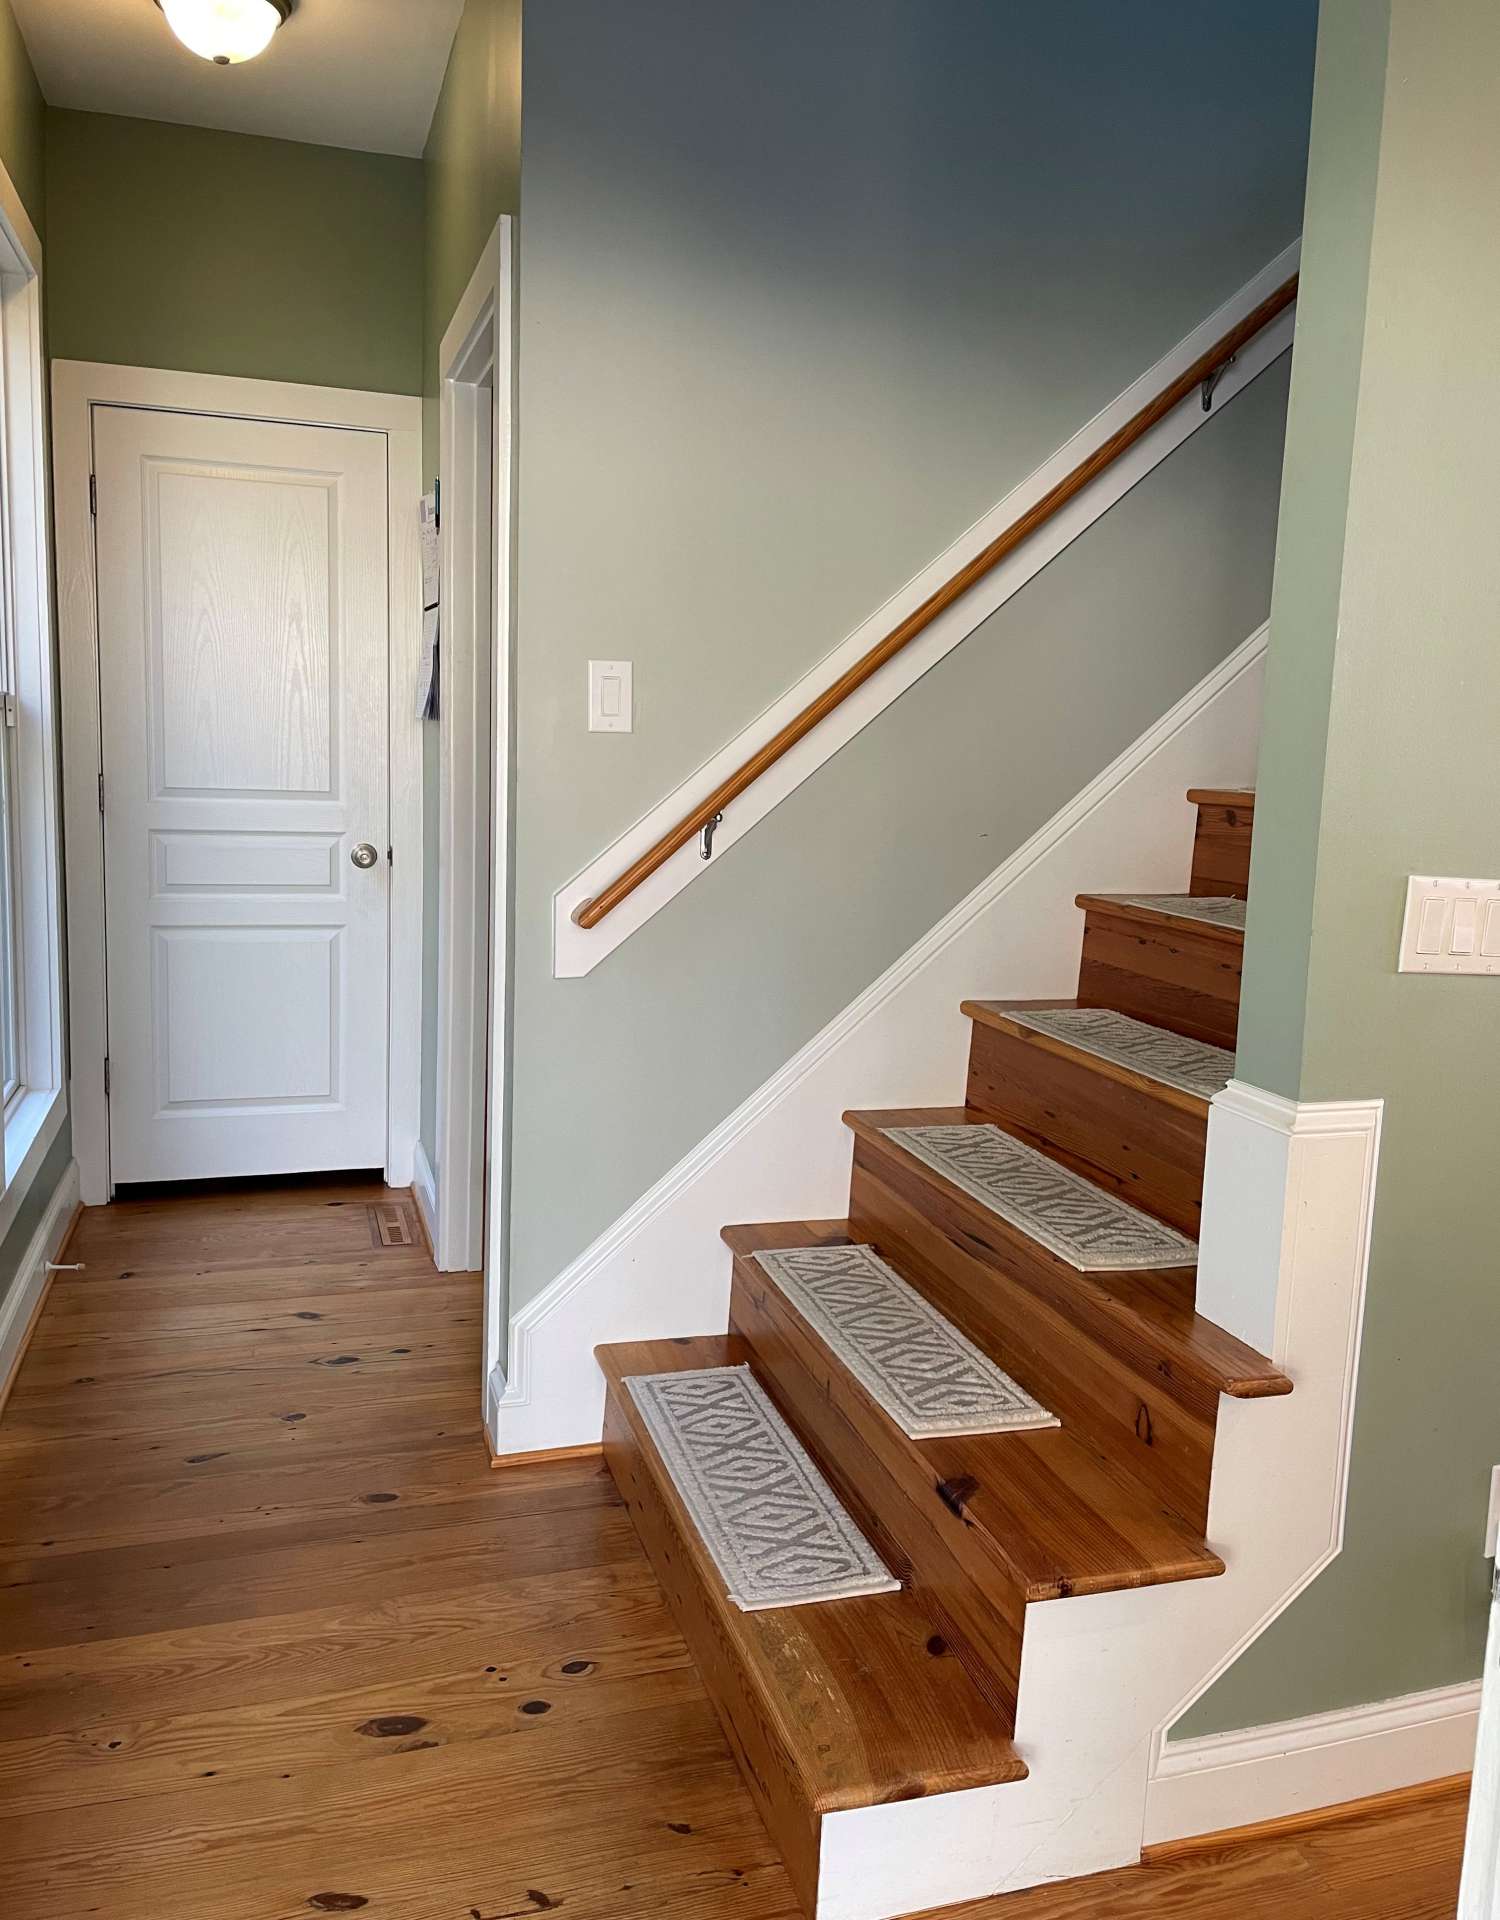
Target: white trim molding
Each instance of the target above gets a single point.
(1226, 1780)
(28, 1291)
(661, 1269)
(474, 721)
(424, 1193)
(577, 951)
(77, 388)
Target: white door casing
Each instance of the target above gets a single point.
(243, 669)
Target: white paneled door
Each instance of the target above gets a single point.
(243, 662)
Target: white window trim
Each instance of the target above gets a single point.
(78, 386)
(35, 1114)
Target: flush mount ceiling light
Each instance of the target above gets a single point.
(225, 31)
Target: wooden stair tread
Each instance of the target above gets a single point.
(1052, 1513)
(1122, 906)
(1223, 797)
(998, 1014)
(1156, 1308)
(851, 1694)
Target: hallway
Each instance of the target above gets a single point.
(275, 1641)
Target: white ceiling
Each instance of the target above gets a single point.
(340, 73)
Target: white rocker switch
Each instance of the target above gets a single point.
(610, 696)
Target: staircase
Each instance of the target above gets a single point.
(858, 1706)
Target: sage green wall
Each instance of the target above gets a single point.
(21, 111)
(473, 175)
(211, 252)
(1378, 760)
(788, 324)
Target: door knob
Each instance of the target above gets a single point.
(364, 855)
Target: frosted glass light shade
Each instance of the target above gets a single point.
(224, 31)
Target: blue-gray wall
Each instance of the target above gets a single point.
(803, 292)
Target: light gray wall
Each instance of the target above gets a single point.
(1379, 750)
(804, 290)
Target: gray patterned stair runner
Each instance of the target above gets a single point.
(1192, 1066)
(915, 1364)
(775, 1530)
(1092, 1230)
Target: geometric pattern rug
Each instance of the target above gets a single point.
(775, 1530)
(1092, 1230)
(914, 1363)
(1219, 910)
(1192, 1066)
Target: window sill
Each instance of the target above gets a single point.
(30, 1128)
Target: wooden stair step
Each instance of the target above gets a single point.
(1136, 1135)
(841, 1704)
(1161, 965)
(978, 1524)
(1122, 1357)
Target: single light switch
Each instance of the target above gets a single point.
(1430, 924)
(1465, 926)
(610, 696)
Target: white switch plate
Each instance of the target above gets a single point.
(1450, 926)
(611, 699)
(1492, 1524)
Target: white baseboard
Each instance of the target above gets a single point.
(29, 1288)
(424, 1192)
(576, 950)
(1226, 1780)
(661, 1269)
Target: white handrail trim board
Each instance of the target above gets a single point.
(577, 952)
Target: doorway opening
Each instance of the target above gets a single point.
(475, 726)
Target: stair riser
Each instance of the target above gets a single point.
(1146, 1146)
(883, 1482)
(1221, 851)
(1171, 977)
(1020, 1305)
(780, 1798)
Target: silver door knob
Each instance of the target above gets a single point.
(364, 855)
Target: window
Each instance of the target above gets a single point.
(32, 1101)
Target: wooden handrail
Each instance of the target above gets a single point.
(590, 912)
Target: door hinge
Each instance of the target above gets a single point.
(106, 1076)
(93, 493)
(101, 791)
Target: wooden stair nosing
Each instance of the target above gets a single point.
(1035, 1503)
(1155, 1308)
(1121, 906)
(1242, 798)
(832, 1706)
